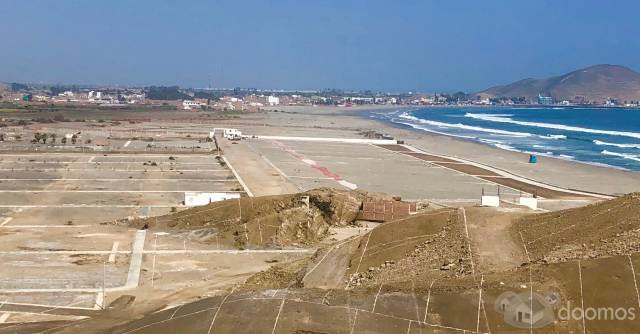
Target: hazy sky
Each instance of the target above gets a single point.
(381, 45)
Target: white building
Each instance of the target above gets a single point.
(273, 100)
(188, 105)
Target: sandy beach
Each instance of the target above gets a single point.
(346, 123)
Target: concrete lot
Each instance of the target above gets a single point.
(371, 168)
(55, 250)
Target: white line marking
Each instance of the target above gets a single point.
(375, 301)
(108, 191)
(150, 170)
(176, 311)
(123, 179)
(334, 140)
(364, 251)
(353, 326)
(524, 244)
(46, 226)
(635, 282)
(48, 306)
(127, 143)
(99, 300)
(584, 328)
(91, 159)
(466, 231)
(325, 255)
(426, 308)
(114, 249)
(6, 220)
(4, 317)
(244, 185)
(415, 300)
(84, 206)
(215, 315)
(273, 331)
(479, 303)
(409, 328)
(164, 251)
(133, 276)
(347, 184)
(153, 265)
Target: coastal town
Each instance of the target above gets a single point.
(247, 99)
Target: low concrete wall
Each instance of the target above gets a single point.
(529, 202)
(493, 201)
(335, 140)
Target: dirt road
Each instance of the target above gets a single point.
(491, 241)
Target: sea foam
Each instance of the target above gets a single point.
(633, 157)
(501, 119)
(604, 143)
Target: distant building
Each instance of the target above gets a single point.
(545, 99)
(188, 105)
(273, 100)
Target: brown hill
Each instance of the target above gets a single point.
(592, 84)
(603, 229)
(267, 221)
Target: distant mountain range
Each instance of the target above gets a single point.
(596, 83)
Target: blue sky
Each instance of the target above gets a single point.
(416, 45)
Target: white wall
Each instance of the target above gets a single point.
(493, 201)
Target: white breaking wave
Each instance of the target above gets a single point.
(604, 143)
(415, 126)
(506, 147)
(554, 137)
(464, 127)
(501, 119)
(634, 157)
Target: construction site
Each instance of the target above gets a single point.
(298, 223)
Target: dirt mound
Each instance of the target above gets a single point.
(269, 221)
(419, 247)
(602, 229)
(277, 277)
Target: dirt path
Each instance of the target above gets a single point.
(491, 241)
(330, 270)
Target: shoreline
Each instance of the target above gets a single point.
(403, 126)
(564, 173)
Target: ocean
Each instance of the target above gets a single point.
(602, 136)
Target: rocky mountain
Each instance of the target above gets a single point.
(597, 83)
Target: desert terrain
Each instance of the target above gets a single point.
(333, 231)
